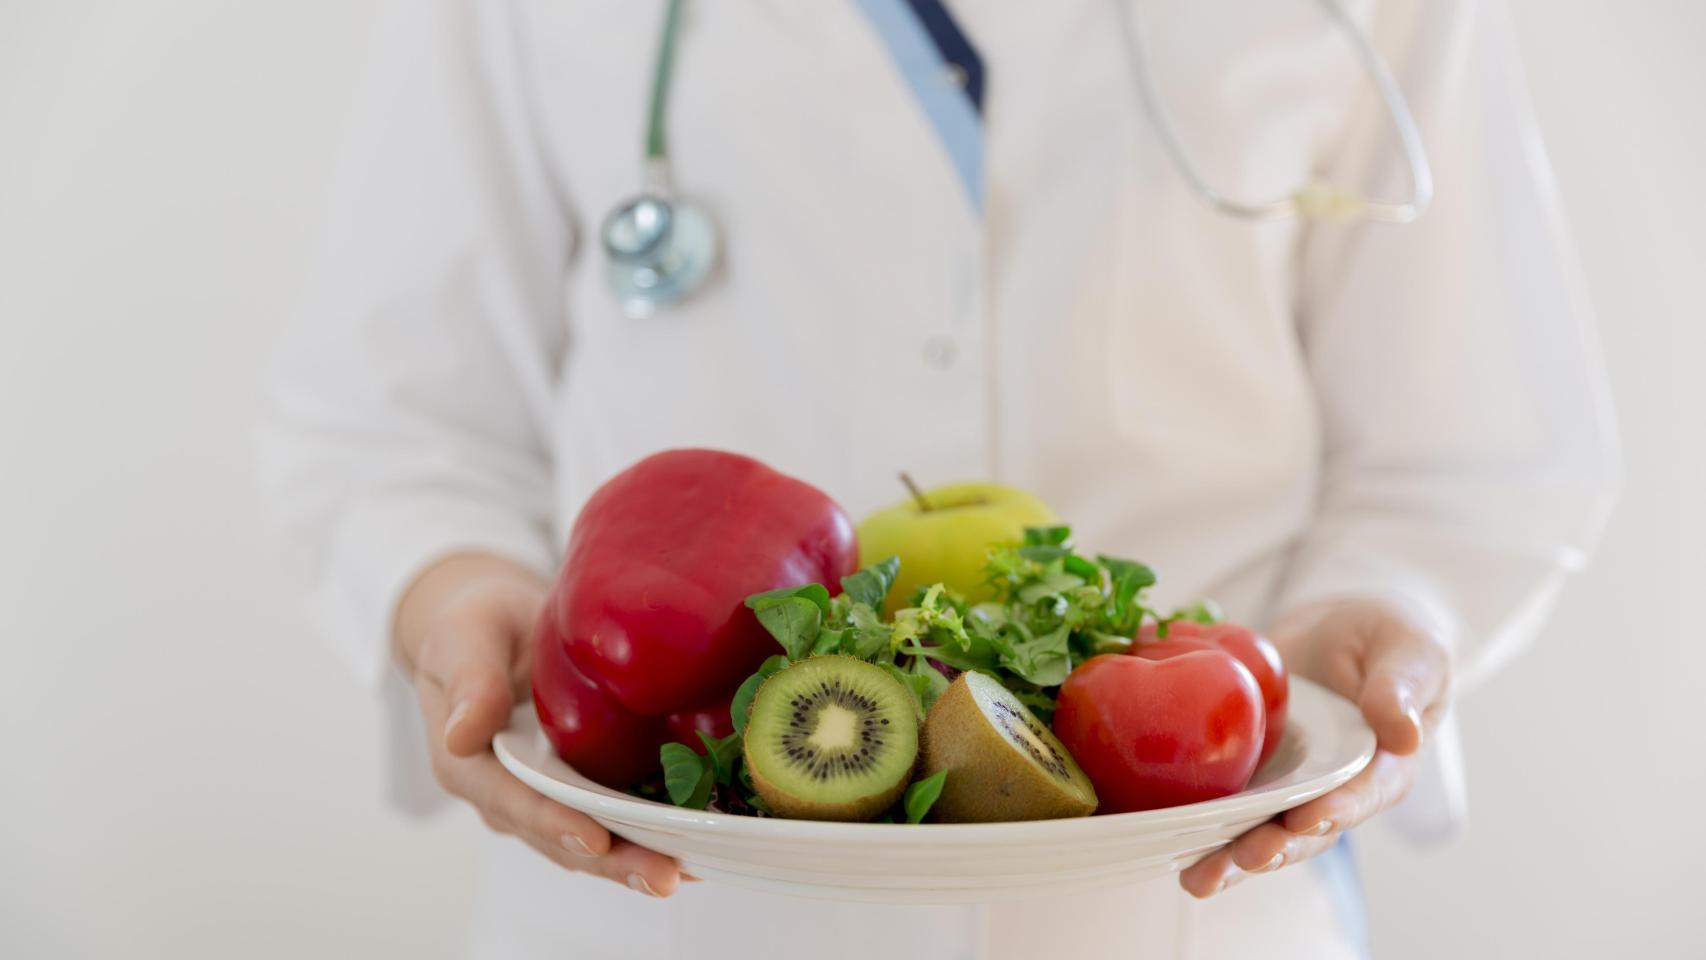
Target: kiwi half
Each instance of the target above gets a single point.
(831, 738)
(1002, 763)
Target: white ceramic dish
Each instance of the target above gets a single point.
(1326, 743)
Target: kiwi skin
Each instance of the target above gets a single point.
(989, 780)
(795, 808)
(785, 804)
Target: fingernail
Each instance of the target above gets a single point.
(574, 844)
(1415, 717)
(638, 884)
(690, 878)
(1273, 863)
(1319, 830)
(1228, 878)
(457, 714)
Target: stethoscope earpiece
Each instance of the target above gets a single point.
(657, 252)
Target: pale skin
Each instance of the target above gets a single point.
(462, 632)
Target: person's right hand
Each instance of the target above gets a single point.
(463, 633)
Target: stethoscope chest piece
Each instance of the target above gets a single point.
(657, 252)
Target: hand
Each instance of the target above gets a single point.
(1399, 677)
(462, 633)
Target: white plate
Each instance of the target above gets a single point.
(1326, 743)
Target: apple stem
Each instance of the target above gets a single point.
(917, 494)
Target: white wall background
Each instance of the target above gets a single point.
(182, 774)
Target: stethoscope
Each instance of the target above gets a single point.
(660, 247)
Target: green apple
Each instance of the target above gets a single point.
(943, 535)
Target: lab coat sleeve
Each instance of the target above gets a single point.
(1468, 441)
(401, 417)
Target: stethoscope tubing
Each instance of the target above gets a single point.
(1312, 201)
(670, 263)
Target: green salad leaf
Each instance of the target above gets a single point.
(741, 705)
(686, 775)
(915, 683)
(723, 753)
(935, 683)
(871, 585)
(1129, 579)
(868, 635)
(1053, 609)
(1042, 660)
(1055, 536)
(921, 796)
(817, 593)
(794, 622)
(1202, 611)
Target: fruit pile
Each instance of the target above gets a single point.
(977, 668)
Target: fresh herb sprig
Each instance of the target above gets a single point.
(1053, 609)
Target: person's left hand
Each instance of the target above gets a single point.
(1400, 678)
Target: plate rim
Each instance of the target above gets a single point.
(1313, 699)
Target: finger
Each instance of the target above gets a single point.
(1382, 783)
(505, 803)
(629, 864)
(632, 866)
(1406, 674)
(1264, 849)
(1208, 876)
(468, 664)
(640, 869)
(1271, 846)
(1260, 849)
(510, 806)
(1293, 850)
(566, 836)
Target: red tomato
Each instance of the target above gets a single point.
(713, 721)
(1249, 647)
(1159, 733)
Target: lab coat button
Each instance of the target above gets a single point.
(939, 352)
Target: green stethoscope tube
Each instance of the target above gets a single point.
(657, 142)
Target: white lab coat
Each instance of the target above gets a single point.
(1268, 414)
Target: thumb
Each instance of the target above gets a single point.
(470, 662)
(1406, 675)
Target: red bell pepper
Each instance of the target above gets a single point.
(588, 728)
(649, 608)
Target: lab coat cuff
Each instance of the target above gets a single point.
(383, 546)
(1415, 598)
